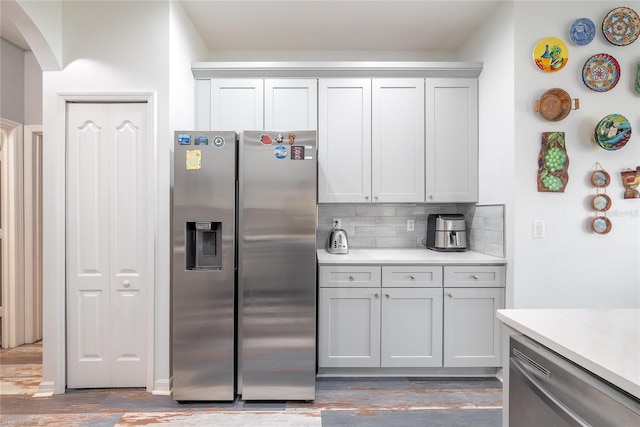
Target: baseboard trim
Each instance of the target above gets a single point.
(162, 387)
(45, 389)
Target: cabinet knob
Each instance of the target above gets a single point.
(376, 197)
(387, 295)
(413, 277)
(351, 278)
(366, 197)
(430, 196)
(450, 294)
(475, 276)
(376, 295)
(126, 283)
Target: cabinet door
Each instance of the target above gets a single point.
(411, 327)
(451, 140)
(344, 140)
(237, 104)
(349, 327)
(471, 329)
(291, 104)
(397, 140)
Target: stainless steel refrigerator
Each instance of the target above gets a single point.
(243, 269)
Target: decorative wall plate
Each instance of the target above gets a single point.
(555, 104)
(600, 178)
(621, 26)
(601, 225)
(551, 54)
(601, 72)
(613, 132)
(582, 31)
(601, 202)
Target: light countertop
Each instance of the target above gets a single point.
(604, 342)
(407, 256)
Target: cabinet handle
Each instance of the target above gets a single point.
(376, 295)
(413, 277)
(126, 283)
(475, 276)
(450, 294)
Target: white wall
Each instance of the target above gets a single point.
(109, 47)
(495, 49)
(32, 90)
(11, 82)
(573, 267)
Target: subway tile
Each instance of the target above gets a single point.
(375, 231)
(376, 210)
(395, 242)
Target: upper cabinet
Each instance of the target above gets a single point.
(255, 104)
(451, 140)
(344, 140)
(371, 140)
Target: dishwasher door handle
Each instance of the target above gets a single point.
(545, 394)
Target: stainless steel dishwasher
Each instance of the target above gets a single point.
(546, 389)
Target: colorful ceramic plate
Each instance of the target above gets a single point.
(613, 132)
(601, 72)
(621, 26)
(601, 225)
(600, 178)
(582, 31)
(601, 202)
(551, 54)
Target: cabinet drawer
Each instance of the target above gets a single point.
(412, 277)
(491, 276)
(349, 276)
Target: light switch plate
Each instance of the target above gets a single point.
(538, 229)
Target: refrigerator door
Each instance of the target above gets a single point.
(277, 265)
(203, 265)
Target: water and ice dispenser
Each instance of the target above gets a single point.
(204, 240)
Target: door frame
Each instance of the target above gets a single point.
(54, 238)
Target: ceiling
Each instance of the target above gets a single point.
(326, 25)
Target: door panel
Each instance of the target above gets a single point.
(106, 241)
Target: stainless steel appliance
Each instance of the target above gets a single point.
(337, 242)
(546, 389)
(446, 232)
(243, 269)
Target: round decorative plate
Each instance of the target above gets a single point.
(582, 31)
(621, 26)
(601, 202)
(600, 179)
(613, 132)
(601, 72)
(551, 54)
(601, 225)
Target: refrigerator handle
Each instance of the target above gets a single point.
(237, 226)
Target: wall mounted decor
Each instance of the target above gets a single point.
(601, 72)
(551, 54)
(612, 132)
(621, 26)
(600, 203)
(553, 163)
(555, 104)
(631, 181)
(582, 31)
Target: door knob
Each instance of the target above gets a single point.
(126, 283)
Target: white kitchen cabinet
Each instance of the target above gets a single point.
(371, 140)
(349, 327)
(344, 140)
(254, 104)
(451, 140)
(291, 104)
(397, 140)
(471, 329)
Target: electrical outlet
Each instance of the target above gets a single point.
(410, 225)
(337, 223)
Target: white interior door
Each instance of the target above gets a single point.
(107, 269)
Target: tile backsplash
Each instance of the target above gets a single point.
(385, 225)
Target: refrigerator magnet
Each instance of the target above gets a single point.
(280, 151)
(194, 158)
(201, 140)
(184, 139)
(297, 152)
(266, 139)
(218, 141)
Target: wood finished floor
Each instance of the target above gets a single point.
(353, 402)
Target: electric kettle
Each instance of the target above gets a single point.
(338, 242)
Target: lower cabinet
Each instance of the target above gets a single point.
(409, 316)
